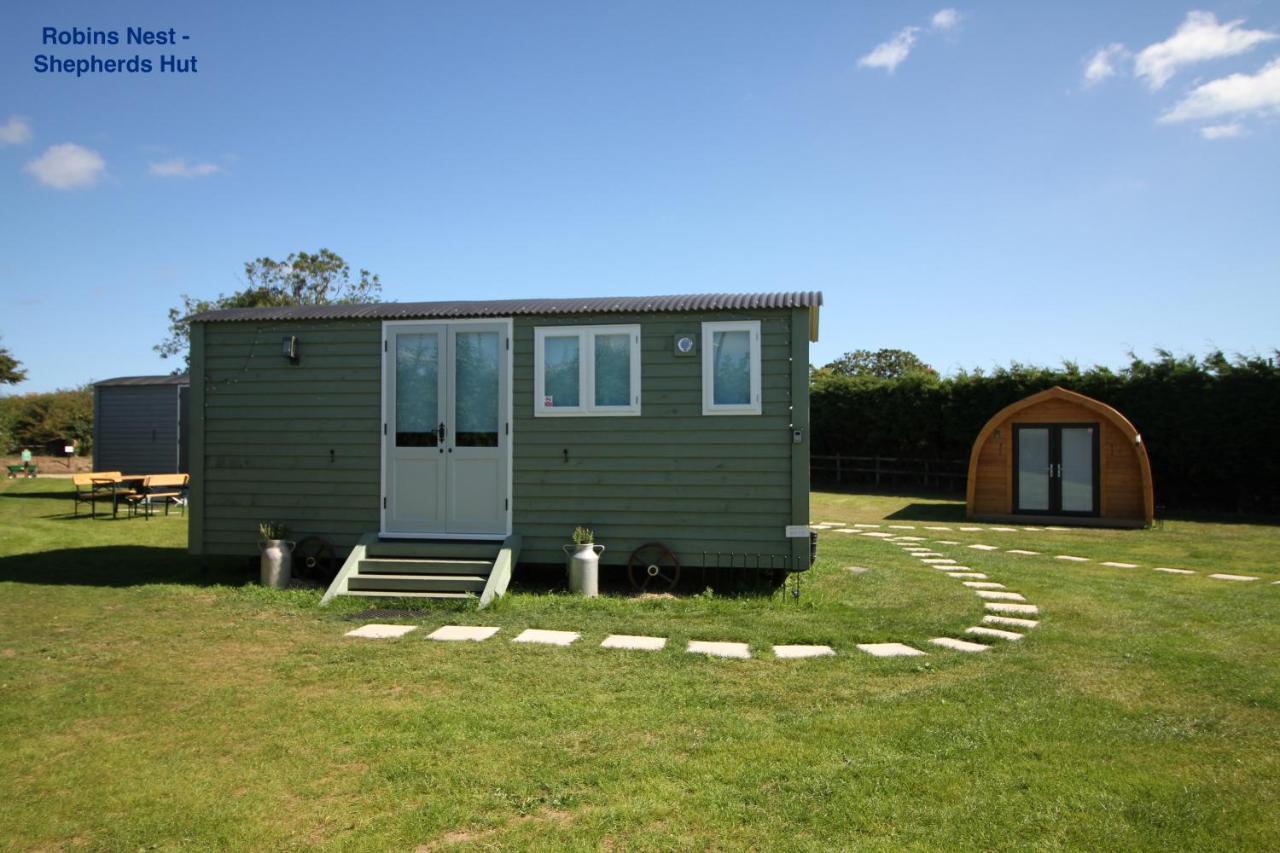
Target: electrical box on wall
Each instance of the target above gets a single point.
(686, 344)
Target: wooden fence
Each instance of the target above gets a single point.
(944, 475)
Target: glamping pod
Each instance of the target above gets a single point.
(1062, 457)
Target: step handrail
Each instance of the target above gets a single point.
(339, 585)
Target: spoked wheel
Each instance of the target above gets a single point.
(313, 558)
(653, 567)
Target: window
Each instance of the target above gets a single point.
(731, 368)
(586, 370)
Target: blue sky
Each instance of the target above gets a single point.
(1016, 181)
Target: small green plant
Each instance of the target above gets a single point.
(583, 536)
(273, 530)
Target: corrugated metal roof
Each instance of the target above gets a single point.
(171, 379)
(514, 307)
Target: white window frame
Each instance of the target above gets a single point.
(709, 406)
(586, 336)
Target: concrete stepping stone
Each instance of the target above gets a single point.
(459, 633)
(937, 561)
(910, 538)
(983, 584)
(1175, 571)
(856, 570)
(634, 641)
(845, 530)
(984, 547)
(946, 542)
(889, 650)
(1060, 529)
(381, 632)
(1225, 577)
(998, 595)
(877, 534)
(998, 633)
(1033, 529)
(790, 652)
(1010, 620)
(1072, 559)
(1008, 607)
(548, 638)
(1020, 551)
(1004, 529)
(832, 523)
(902, 527)
(866, 525)
(949, 568)
(1122, 565)
(937, 528)
(975, 575)
(719, 650)
(959, 645)
(972, 529)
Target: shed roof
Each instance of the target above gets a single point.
(514, 307)
(168, 379)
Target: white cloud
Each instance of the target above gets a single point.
(1237, 94)
(890, 54)
(1102, 64)
(1222, 131)
(945, 19)
(15, 131)
(67, 166)
(180, 168)
(1200, 38)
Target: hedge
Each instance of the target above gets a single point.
(1210, 425)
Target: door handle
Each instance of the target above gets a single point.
(440, 432)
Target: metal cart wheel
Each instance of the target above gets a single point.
(653, 567)
(314, 558)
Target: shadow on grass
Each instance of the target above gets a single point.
(614, 581)
(122, 566)
(929, 512)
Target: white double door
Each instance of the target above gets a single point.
(446, 429)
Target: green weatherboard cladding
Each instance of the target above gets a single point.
(301, 443)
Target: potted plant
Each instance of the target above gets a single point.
(584, 562)
(277, 554)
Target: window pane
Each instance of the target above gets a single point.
(613, 370)
(1033, 468)
(476, 392)
(1077, 469)
(731, 368)
(417, 390)
(560, 382)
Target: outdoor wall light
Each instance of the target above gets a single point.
(289, 348)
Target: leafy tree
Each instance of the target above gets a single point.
(881, 364)
(40, 418)
(302, 278)
(11, 370)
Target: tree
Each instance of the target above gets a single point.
(302, 278)
(11, 370)
(881, 364)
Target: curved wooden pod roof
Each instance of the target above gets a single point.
(1057, 392)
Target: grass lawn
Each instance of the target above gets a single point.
(147, 701)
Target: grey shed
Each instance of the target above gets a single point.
(140, 424)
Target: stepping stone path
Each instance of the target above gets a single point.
(719, 650)
(984, 547)
(946, 542)
(983, 584)
(1223, 577)
(381, 632)
(1175, 571)
(459, 633)
(866, 525)
(959, 645)
(877, 534)
(548, 638)
(787, 652)
(998, 595)
(977, 575)
(937, 528)
(1122, 565)
(980, 631)
(1004, 529)
(633, 641)
(1018, 551)
(902, 527)
(952, 568)
(1006, 607)
(1010, 620)
(937, 561)
(910, 538)
(972, 529)
(1072, 559)
(857, 570)
(889, 650)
